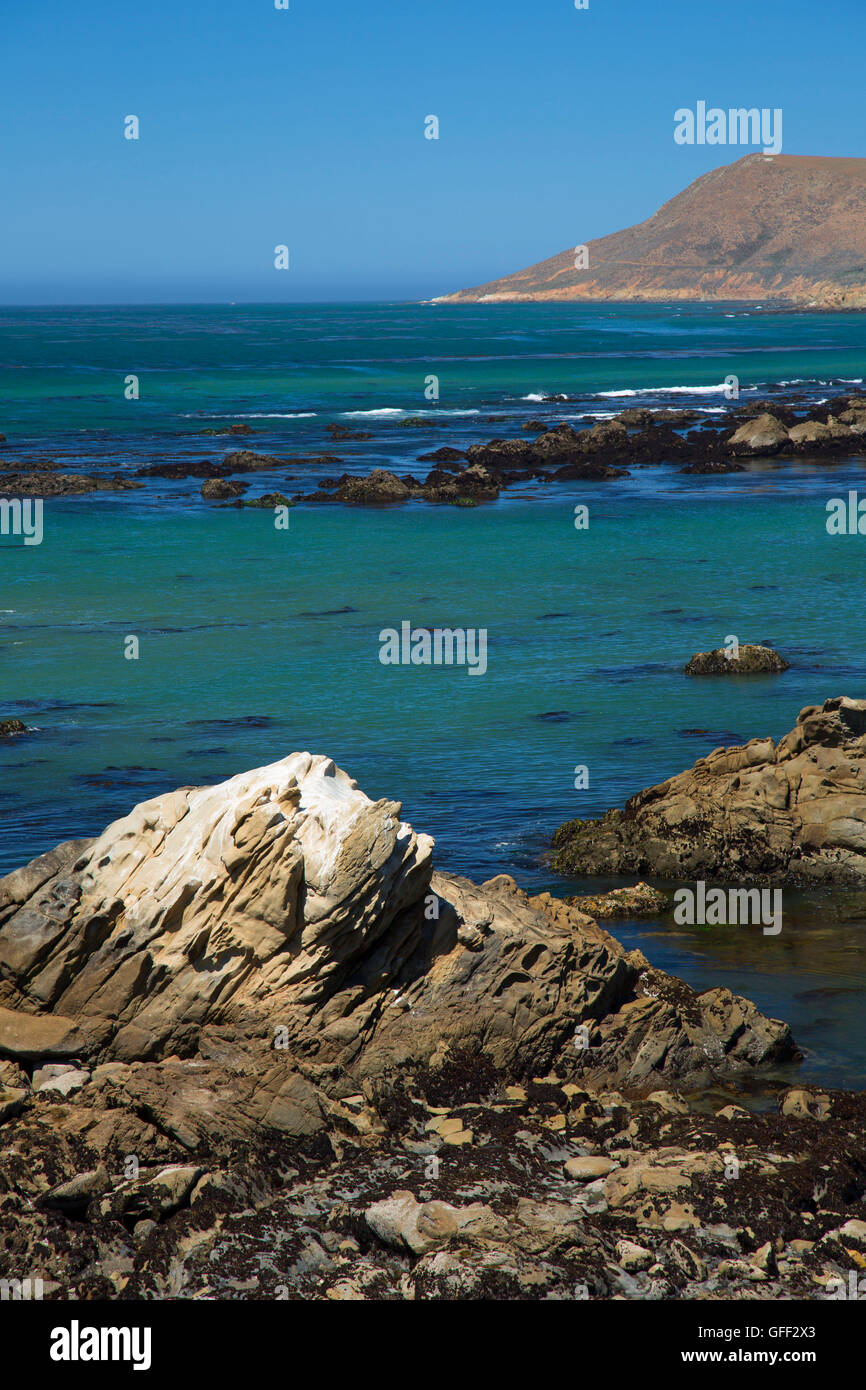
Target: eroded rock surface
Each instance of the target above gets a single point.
(252, 951)
(788, 811)
(236, 1027)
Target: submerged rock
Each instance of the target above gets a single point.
(788, 811)
(41, 483)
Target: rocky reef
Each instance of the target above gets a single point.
(546, 452)
(244, 987)
(792, 811)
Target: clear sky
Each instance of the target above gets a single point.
(305, 127)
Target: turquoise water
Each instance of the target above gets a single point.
(63, 369)
(255, 642)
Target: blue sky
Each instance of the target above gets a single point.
(306, 127)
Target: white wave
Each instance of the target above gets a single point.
(612, 414)
(386, 410)
(673, 391)
(536, 396)
(390, 410)
(818, 381)
(254, 415)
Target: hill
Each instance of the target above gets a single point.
(788, 228)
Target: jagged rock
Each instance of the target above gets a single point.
(713, 465)
(9, 727)
(233, 959)
(787, 811)
(751, 660)
(576, 454)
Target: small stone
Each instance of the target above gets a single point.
(686, 1260)
(764, 1258)
(445, 1124)
(67, 1081)
(633, 1257)
(806, 1105)
(732, 1112)
(588, 1168)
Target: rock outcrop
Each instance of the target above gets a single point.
(749, 660)
(234, 960)
(775, 812)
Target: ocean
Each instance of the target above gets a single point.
(255, 642)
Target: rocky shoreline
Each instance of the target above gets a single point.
(254, 1045)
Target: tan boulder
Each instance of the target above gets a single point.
(763, 434)
(761, 812)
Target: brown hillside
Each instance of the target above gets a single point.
(768, 227)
